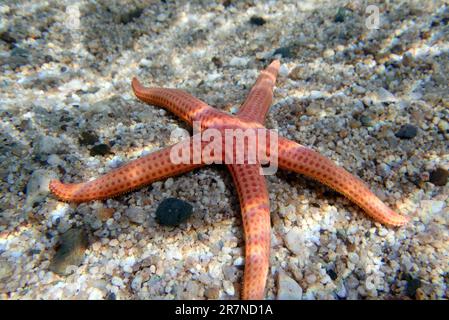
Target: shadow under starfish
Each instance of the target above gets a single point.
(251, 185)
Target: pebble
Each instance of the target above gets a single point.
(283, 71)
(228, 287)
(88, 138)
(239, 62)
(46, 145)
(136, 215)
(358, 89)
(129, 16)
(212, 293)
(105, 213)
(95, 294)
(294, 241)
(407, 131)
(168, 183)
(383, 95)
(17, 58)
(288, 289)
(230, 273)
(412, 285)
(315, 94)
(53, 160)
(366, 121)
(73, 243)
(340, 15)
(116, 281)
(443, 126)
(328, 53)
(101, 149)
(285, 52)
(37, 186)
(257, 21)
(341, 291)
(239, 261)
(6, 269)
(384, 170)
(173, 211)
(439, 177)
(7, 37)
(353, 257)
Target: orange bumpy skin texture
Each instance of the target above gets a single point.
(251, 186)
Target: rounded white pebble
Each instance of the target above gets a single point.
(228, 287)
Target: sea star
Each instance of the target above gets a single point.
(251, 186)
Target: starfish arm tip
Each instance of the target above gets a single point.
(136, 85)
(275, 63)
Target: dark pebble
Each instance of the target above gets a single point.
(131, 15)
(6, 36)
(341, 14)
(34, 251)
(173, 211)
(366, 121)
(88, 138)
(332, 274)
(412, 285)
(73, 244)
(407, 131)
(111, 296)
(217, 62)
(257, 21)
(439, 177)
(227, 3)
(100, 150)
(48, 58)
(285, 52)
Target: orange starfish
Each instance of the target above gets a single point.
(251, 186)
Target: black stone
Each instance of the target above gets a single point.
(173, 211)
(332, 274)
(366, 121)
(285, 52)
(111, 296)
(100, 150)
(407, 131)
(6, 36)
(131, 15)
(88, 138)
(48, 58)
(412, 285)
(439, 177)
(257, 21)
(217, 62)
(227, 3)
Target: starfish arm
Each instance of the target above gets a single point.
(184, 105)
(255, 207)
(259, 99)
(297, 158)
(140, 172)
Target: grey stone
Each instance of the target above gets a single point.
(288, 289)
